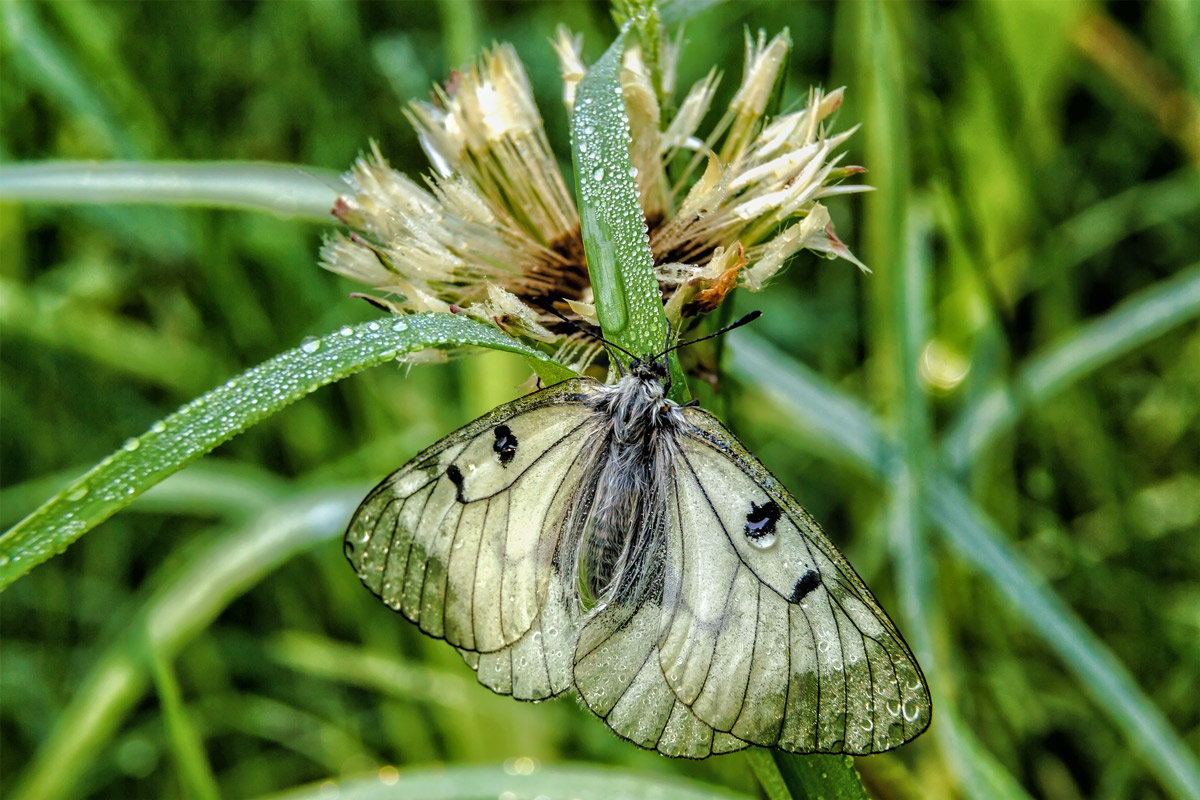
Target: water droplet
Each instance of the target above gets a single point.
(131, 445)
(598, 175)
(159, 426)
(633, 172)
(346, 330)
(400, 325)
(763, 542)
(311, 344)
(78, 493)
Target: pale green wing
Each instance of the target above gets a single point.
(461, 539)
(537, 665)
(767, 632)
(618, 676)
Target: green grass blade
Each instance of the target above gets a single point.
(488, 783)
(460, 30)
(836, 424)
(980, 774)
(285, 190)
(327, 743)
(1135, 321)
(977, 540)
(195, 773)
(620, 264)
(222, 413)
(914, 568)
(787, 776)
(213, 488)
(189, 600)
(767, 773)
(1103, 225)
(392, 674)
(40, 58)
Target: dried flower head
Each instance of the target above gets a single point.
(493, 229)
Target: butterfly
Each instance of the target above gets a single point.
(603, 538)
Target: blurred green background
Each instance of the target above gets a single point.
(1035, 240)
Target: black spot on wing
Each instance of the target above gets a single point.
(505, 445)
(456, 477)
(807, 583)
(761, 520)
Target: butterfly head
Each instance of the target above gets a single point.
(650, 368)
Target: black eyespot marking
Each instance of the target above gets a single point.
(505, 446)
(808, 581)
(456, 477)
(760, 521)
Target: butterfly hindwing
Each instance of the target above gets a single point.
(618, 676)
(461, 539)
(538, 665)
(767, 632)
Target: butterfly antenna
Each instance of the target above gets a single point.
(548, 307)
(753, 315)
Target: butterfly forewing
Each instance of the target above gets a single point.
(767, 632)
(461, 539)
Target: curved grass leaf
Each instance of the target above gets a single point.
(1105, 223)
(837, 424)
(979, 772)
(217, 416)
(187, 747)
(189, 599)
(1135, 321)
(487, 783)
(392, 674)
(40, 58)
(284, 190)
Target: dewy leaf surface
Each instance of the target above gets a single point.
(227, 410)
(615, 238)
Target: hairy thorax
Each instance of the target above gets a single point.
(620, 551)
